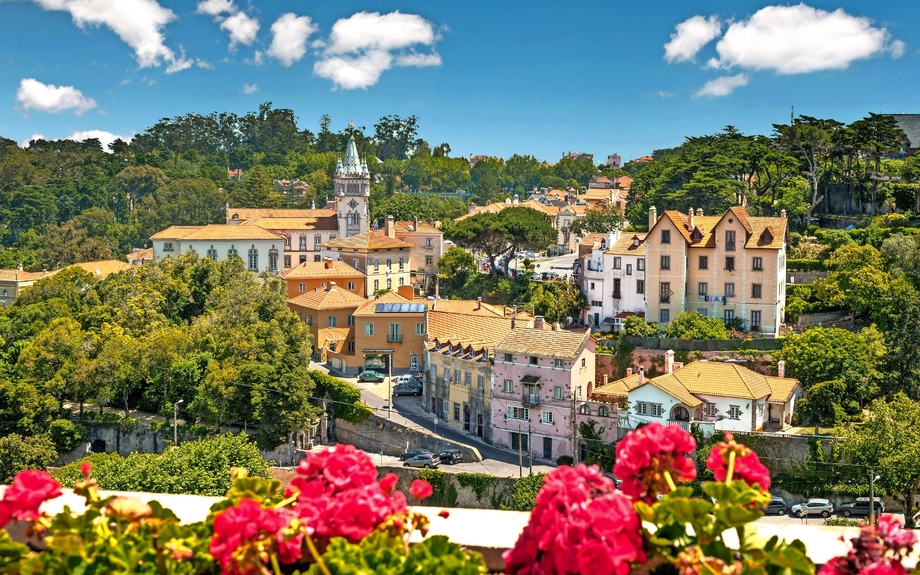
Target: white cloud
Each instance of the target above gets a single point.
(801, 39)
(204, 64)
(361, 47)
(690, 36)
(250, 88)
(215, 7)
(722, 86)
(105, 138)
(241, 28)
(139, 23)
(291, 33)
(666, 94)
(25, 143)
(34, 95)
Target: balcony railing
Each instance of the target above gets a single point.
(394, 338)
(531, 399)
(616, 295)
(665, 299)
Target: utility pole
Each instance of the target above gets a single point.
(390, 387)
(520, 453)
(530, 445)
(871, 496)
(176, 422)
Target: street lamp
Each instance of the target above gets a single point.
(176, 422)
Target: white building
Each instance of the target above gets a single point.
(352, 185)
(719, 395)
(614, 161)
(260, 249)
(613, 279)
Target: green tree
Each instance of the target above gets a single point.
(810, 140)
(503, 234)
(258, 190)
(395, 137)
(601, 218)
(18, 453)
(691, 325)
(50, 358)
(888, 444)
(140, 181)
(636, 326)
(825, 354)
(877, 135)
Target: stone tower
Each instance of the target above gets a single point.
(352, 192)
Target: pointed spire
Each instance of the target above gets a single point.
(313, 205)
(352, 163)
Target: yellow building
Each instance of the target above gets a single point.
(383, 260)
(392, 325)
(12, 282)
(310, 275)
(330, 314)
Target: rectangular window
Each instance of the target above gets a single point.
(351, 346)
(730, 289)
(557, 363)
(629, 269)
(729, 316)
(317, 240)
(665, 292)
(656, 409)
(755, 320)
(664, 316)
(429, 260)
(376, 286)
(518, 413)
(758, 264)
(730, 263)
(509, 358)
(167, 246)
(592, 286)
(665, 236)
(578, 392)
(402, 263)
(368, 329)
(413, 362)
(302, 287)
(351, 285)
(389, 264)
(730, 240)
(756, 291)
(456, 411)
(331, 321)
(557, 392)
(481, 382)
(446, 373)
(351, 320)
(376, 266)
(702, 288)
(640, 265)
(703, 311)
(509, 386)
(534, 361)
(704, 262)
(309, 319)
(420, 328)
(468, 379)
(665, 262)
(395, 335)
(640, 286)
(734, 412)
(546, 417)
(641, 408)
(428, 242)
(617, 262)
(710, 410)
(457, 375)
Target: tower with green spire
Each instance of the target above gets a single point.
(352, 184)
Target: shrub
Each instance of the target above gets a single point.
(66, 434)
(345, 398)
(564, 460)
(637, 327)
(691, 325)
(18, 453)
(524, 491)
(805, 265)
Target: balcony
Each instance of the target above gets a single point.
(665, 299)
(530, 399)
(616, 295)
(394, 338)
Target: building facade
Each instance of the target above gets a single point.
(352, 185)
(541, 375)
(260, 249)
(427, 248)
(13, 282)
(731, 266)
(613, 279)
(392, 326)
(303, 230)
(330, 314)
(384, 260)
(310, 276)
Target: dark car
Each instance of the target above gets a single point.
(411, 453)
(776, 506)
(426, 460)
(370, 376)
(860, 507)
(406, 390)
(450, 456)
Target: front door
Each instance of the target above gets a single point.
(547, 448)
(434, 405)
(466, 417)
(479, 424)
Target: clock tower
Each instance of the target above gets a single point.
(352, 191)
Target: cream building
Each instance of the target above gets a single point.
(303, 230)
(613, 279)
(13, 282)
(384, 260)
(731, 266)
(260, 249)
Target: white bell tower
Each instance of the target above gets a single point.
(352, 191)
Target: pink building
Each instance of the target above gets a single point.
(540, 376)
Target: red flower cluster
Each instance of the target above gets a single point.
(581, 524)
(245, 535)
(645, 455)
(338, 494)
(876, 551)
(421, 490)
(747, 466)
(29, 490)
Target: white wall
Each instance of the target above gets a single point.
(223, 248)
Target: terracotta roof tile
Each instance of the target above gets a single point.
(249, 213)
(215, 232)
(333, 298)
(104, 268)
(367, 241)
(547, 343)
(324, 269)
(370, 306)
(461, 329)
(670, 384)
(624, 246)
(782, 388)
(409, 227)
(21, 276)
(290, 223)
(707, 224)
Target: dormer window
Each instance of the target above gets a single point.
(766, 237)
(696, 235)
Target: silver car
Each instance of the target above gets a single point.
(426, 460)
(821, 507)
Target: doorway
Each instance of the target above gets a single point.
(479, 425)
(466, 417)
(548, 448)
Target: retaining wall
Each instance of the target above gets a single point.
(379, 434)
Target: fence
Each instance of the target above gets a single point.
(763, 344)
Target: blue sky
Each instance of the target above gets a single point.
(495, 78)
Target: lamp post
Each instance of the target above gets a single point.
(176, 422)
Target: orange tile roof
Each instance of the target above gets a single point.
(367, 241)
(104, 268)
(145, 254)
(551, 211)
(249, 213)
(624, 246)
(409, 227)
(782, 388)
(467, 307)
(593, 239)
(291, 223)
(466, 330)
(778, 227)
(599, 194)
(324, 269)
(21, 276)
(215, 232)
(333, 298)
(544, 342)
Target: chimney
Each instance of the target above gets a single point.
(699, 212)
(327, 263)
(391, 227)
(690, 215)
(437, 289)
(19, 267)
(406, 291)
(641, 375)
(329, 286)
(782, 214)
(605, 379)
(669, 361)
(652, 217)
(514, 317)
(479, 303)
(628, 371)
(416, 224)
(781, 368)
(678, 365)
(538, 322)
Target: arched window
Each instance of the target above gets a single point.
(389, 283)
(602, 411)
(584, 409)
(212, 253)
(232, 253)
(303, 242)
(273, 260)
(253, 259)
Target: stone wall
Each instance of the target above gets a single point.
(804, 277)
(810, 319)
(496, 492)
(379, 434)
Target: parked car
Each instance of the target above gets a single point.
(406, 389)
(821, 507)
(860, 507)
(411, 453)
(776, 506)
(426, 460)
(451, 456)
(369, 375)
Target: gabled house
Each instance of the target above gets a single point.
(720, 396)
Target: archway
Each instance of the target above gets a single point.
(680, 413)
